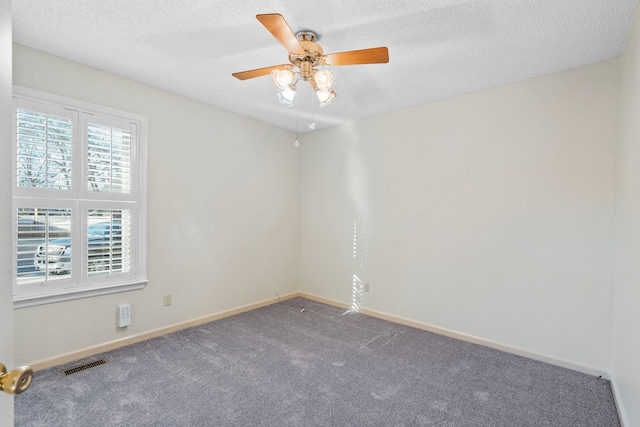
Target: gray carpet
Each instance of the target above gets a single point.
(279, 366)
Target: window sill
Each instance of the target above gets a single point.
(33, 300)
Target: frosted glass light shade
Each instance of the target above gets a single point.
(287, 95)
(325, 97)
(324, 79)
(281, 78)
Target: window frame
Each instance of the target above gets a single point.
(80, 199)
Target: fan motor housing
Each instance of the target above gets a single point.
(313, 53)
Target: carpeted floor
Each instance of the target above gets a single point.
(281, 366)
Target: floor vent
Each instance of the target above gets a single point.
(79, 368)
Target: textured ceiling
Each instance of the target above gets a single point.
(437, 48)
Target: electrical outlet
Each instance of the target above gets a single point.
(167, 300)
(367, 288)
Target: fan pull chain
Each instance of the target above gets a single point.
(297, 144)
(312, 125)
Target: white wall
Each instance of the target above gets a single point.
(222, 212)
(626, 332)
(491, 214)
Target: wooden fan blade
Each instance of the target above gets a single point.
(275, 23)
(376, 55)
(244, 75)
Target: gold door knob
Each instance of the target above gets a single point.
(15, 381)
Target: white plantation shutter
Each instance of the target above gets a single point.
(42, 235)
(44, 150)
(108, 159)
(79, 199)
(109, 241)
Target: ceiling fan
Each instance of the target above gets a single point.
(305, 54)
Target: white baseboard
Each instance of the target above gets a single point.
(112, 345)
(464, 337)
(622, 414)
(324, 300)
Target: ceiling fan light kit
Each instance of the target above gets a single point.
(305, 55)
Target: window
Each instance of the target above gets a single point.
(79, 199)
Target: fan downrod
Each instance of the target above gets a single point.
(307, 35)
